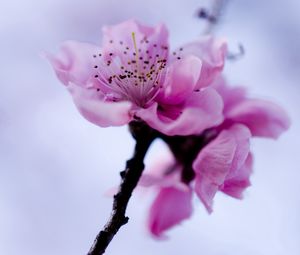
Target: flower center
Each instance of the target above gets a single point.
(132, 72)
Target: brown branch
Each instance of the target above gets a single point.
(213, 15)
(144, 136)
(184, 148)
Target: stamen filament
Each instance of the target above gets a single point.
(136, 52)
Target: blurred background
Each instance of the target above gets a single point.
(55, 166)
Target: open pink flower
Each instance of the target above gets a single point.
(224, 164)
(133, 75)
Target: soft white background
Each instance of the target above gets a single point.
(55, 166)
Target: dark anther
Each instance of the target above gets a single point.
(96, 76)
(95, 66)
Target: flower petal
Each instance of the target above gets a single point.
(235, 186)
(212, 52)
(201, 111)
(181, 79)
(231, 96)
(242, 137)
(219, 160)
(92, 106)
(165, 173)
(156, 173)
(170, 208)
(121, 33)
(206, 191)
(263, 118)
(74, 62)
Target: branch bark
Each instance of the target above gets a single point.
(185, 150)
(213, 15)
(144, 136)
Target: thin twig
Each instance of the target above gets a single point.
(184, 148)
(130, 177)
(213, 15)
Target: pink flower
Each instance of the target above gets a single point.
(133, 76)
(172, 193)
(224, 164)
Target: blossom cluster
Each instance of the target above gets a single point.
(135, 76)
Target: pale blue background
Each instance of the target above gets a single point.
(55, 166)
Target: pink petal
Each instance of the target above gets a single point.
(122, 33)
(231, 96)
(206, 191)
(166, 172)
(155, 174)
(212, 165)
(170, 208)
(212, 52)
(263, 118)
(180, 80)
(242, 137)
(92, 106)
(219, 160)
(74, 62)
(236, 185)
(201, 111)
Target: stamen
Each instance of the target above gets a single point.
(137, 74)
(136, 51)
